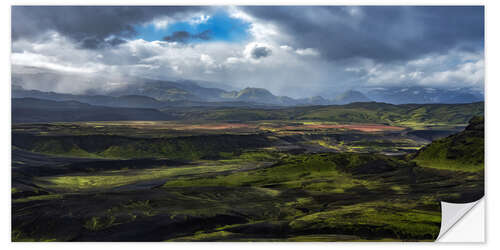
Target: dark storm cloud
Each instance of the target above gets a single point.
(184, 36)
(260, 51)
(383, 33)
(91, 26)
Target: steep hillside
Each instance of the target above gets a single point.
(463, 151)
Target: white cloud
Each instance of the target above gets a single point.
(286, 47)
(307, 52)
(206, 59)
(457, 68)
(161, 24)
(261, 31)
(469, 73)
(52, 63)
(199, 19)
(284, 70)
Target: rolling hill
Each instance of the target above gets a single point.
(28, 110)
(127, 101)
(462, 151)
(410, 115)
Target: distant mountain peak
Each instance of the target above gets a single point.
(256, 95)
(351, 96)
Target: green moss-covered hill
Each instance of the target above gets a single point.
(409, 115)
(121, 147)
(462, 151)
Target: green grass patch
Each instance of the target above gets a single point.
(116, 178)
(311, 172)
(376, 219)
(449, 165)
(99, 223)
(207, 236)
(463, 151)
(38, 198)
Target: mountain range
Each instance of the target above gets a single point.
(157, 95)
(421, 95)
(150, 93)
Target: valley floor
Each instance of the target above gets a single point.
(259, 181)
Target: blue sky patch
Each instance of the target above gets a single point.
(219, 27)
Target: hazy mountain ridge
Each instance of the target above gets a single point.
(25, 110)
(128, 101)
(415, 94)
(351, 96)
(159, 93)
(138, 101)
(157, 97)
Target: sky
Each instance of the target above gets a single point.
(297, 51)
